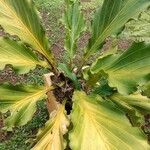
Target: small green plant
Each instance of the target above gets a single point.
(101, 105)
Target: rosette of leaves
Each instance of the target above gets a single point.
(101, 102)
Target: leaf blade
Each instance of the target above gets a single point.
(117, 13)
(127, 70)
(135, 106)
(16, 54)
(19, 17)
(109, 128)
(74, 23)
(21, 101)
(51, 136)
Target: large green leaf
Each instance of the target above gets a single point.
(135, 106)
(127, 70)
(74, 23)
(15, 53)
(51, 136)
(21, 101)
(108, 20)
(99, 125)
(19, 17)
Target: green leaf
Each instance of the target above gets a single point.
(108, 20)
(139, 28)
(21, 57)
(127, 70)
(135, 105)
(102, 88)
(68, 73)
(93, 78)
(51, 136)
(19, 17)
(98, 124)
(21, 101)
(74, 23)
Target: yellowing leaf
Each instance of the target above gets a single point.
(19, 17)
(16, 54)
(51, 136)
(135, 106)
(21, 101)
(99, 125)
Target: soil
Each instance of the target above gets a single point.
(9, 75)
(57, 45)
(2, 135)
(146, 127)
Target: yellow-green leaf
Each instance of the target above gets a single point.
(19, 17)
(51, 136)
(16, 54)
(135, 106)
(128, 70)
(21, 101)
(99, 125)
